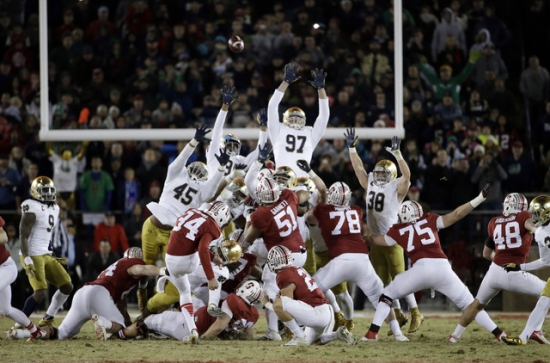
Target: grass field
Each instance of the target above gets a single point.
(429, 344)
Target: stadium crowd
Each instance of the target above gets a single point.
(161, 64)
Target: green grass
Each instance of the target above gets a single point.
(429, 344)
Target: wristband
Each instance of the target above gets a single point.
(162, 272)
(477, 201)
(352, 150)
(311, 174)
(269, 306)
(193, 142)
(221, 168)
(28, 261)
(398, 155)
(248, 218)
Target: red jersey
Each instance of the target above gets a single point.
(279, 222)
(512, 240)
(116, 278)
(306, 287)
(4, 253)
(241, 269)
(193, 232)
(244, 316)
(341, 228)
(419, 239)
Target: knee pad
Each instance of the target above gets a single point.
(386, 300)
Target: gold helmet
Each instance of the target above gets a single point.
(231, 144)
(384, 172)
(198, 171)
(306, 182)
(285, 177)
(295, 118)
(540, 208)
(43, 189)
(235, 193)
(229, 251)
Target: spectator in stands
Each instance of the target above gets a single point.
(23, 188)
(448, 27)
(436, 176)
(523, 175)
(532, 82)
(489, 60)
(452, 55)
(506, 136)
(447, 111)
(475, 108)
(128, 192)
(111, 231)
(495, 26)
(415, 161)
(505, 101)
(542, 129)
(375, 63)
(84, 66)
(489, 170)
(150, 170)
(18, 161)
(9, 179)
(63, 55)
(99, 260)
(152, 196)
(94, 29)
(461, 179)
(133, 224)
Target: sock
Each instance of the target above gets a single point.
(536, 318)
(496, 332)
(214, 295)
(394, 326)
(332, 300)
(30, 305)
(121, 334)
(411, 301)
(485, 321)
(294, 328)
(31, 327)
(21, 319)
(374, 328)
(396, 304)
(188, 312)
(272, 318)
(58, 300)
(328, 337)
(382, 311)
(346, 302)
(458, 331)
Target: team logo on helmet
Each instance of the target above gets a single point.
(268, 191)
(250, 291)
(218, 211)
(513, 204)
(339, 194)
(278, 258)
(410, 211)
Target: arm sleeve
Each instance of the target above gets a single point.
(429, 75)
(204, 255)
(211, 186)
(321, 122)
(250, 179)
(254, 154)
(179, 163)
(543, 261)
(273, 124)
(217, 132)
(490, 243)
(439, 223)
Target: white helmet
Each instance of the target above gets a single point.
(198, 171)
(279, 257)
(218, 211)
(264, 173)
(339, 194)
(514, 203)
(250, 291)
(410, 211)
(133, 252)
(268, 191)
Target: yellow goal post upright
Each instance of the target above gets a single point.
(46, 134)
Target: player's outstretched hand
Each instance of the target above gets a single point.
(511, 267)
(351, 139)
(318, 80)
(200, 133)
(263, 152)
(223, 158)
(262, 117)
(291, 73)
(304, 165)
(228, 95)
(486, 189)
(395, 142)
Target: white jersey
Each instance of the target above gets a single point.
(382, 206)
(65, 172)
(47, 217)
(542, 236)
(180, 192)
(290, 145)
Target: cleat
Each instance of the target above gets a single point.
(287, 333)
(38, 334)
(339, 320)
(296, 341)
(194, 337)
(156, 335)
(501, 336)
(349, 325)
(47, 322)
(100, 331)
(370, 337)
(538, 336)
(271, 335)
(453, 339)
(13, 334)
(400, 317)
(401, 338)
(345, 336)
(416, 320)
(512, 340)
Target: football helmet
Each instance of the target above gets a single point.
(339, 194)
(384, 172)
(232, 144)
(285, 177)
(198, 171)
(250, 291)
(294, 118)
(268, 191)
(238, 235)
(410, 211)
(279, 257)
(229, 251)
(514, 203)
(235, 193)
(43, 189)
(265, 172)
(133, 252)
(540, 208)
(218, 211)
(306, 182)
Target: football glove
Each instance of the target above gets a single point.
(303, 165)
(223, 158)
(29, 267)
(262, 117)
(214, 311)
(263, 152)
(200, 133)
(228, 95)
(508, 267)
(290, 73)
(318, 78)
(394, 149)
(351, 139)
(486, 189)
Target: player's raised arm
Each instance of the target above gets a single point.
(228, 97)
(262, 120)
(351, 141)
(405, 180)
(321, 122)
(211, 186)
(251, 177)
(463, 210)
(319, 183)
(273, 124)
(175, 168)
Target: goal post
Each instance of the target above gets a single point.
(46, 134)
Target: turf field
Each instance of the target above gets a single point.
(429, 344)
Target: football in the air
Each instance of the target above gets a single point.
(235, 44)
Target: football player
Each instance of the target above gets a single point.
(40, 215)
(301, 302)
(104, 299)
(189, 242)
(236, 320)
(418, 234)
(509, 243)
(8, 271)
(540, 209)
(292, 139)
(384, 193)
